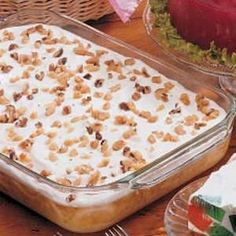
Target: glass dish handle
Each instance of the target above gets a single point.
(179, 160)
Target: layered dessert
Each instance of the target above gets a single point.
(82, 115)
(78, 122)
(212, 207)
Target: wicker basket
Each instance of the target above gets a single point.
(79, 9)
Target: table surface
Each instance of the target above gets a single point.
(18, 220)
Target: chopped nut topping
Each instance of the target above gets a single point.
(58, 53)
(199, 125)
(12, 46)
(40, 76)
(94, 144)
(170, 138)
(71, 197)
(136, 96)
(84, 169)
(87, 76)
(100, 115)
(50, 109)
(129, 62)
(45, 173)
(184, 98)
(26, 144)
(179, 129)
(5, 68)
(129, 133)
(66, 110)
(17, 96)
(124, 106)
(89, 130)
(156, 79)
(98, 136)
(151, 139)
(21, 122)
(161, 94)
(115, 88)
(62, 61)
(190, 120)
(73, 153)
(98, 83)
(118, 145)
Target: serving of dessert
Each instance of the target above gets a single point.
(199, 33)
(206, 206)
(83, 128)
(211, 209)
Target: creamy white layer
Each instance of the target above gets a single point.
(57, 89)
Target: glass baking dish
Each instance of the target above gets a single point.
(96, 208)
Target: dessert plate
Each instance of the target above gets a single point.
(205, 65)
(176, 214)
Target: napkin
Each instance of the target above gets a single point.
(124, 8)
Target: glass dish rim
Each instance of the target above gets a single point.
(183, 61)
(123, 181)
(195, 184)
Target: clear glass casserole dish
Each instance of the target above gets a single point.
(98, 207)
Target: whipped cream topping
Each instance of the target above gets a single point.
(82, 115)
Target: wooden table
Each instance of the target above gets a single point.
(18, 220)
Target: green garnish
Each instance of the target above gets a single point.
(171, 39)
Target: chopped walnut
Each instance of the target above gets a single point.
(99, 83)
(40, 76)
(136, 96)
(170, 138)
(5, 68)
(126, 165)
(17, 96)
(118, 145)
(64, 181)
(115, 88)
(26, 144)
(179, 129)
(199, 125)
(124, 106)
(94, 144)
(71, 197)
(98, 135)
(58, 53)
(156, 79)
(45, 173)
(73, 153)
(100, 115)
(84, 169)
(129, 62)
(66, 110)
(103, 163)
(190, 120)
(12, 46)
(151, 139)
(94, 178)
(50, 109)
(161, 94)
(21, 122)
(184, 98)
(129, 133)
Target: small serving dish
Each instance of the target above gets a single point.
(176, 214)
(99, 207)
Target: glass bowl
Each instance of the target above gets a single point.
(226, 74)
(176, 214)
